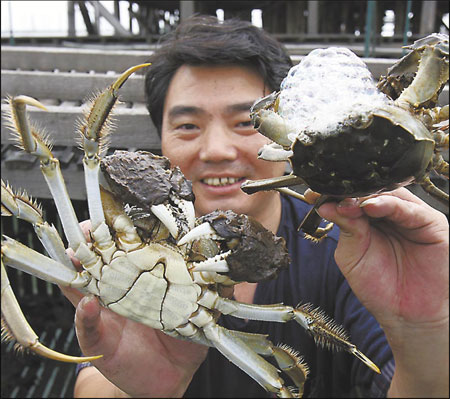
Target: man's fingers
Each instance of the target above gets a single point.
(87, 323)
(86, 229)
(346, 214)
(410, 217)
(72, 294)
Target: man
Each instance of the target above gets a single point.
(392, 249)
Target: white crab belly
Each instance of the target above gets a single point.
(151, 286)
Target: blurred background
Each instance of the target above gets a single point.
(61, 51)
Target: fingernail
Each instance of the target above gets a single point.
(85, 300)
(369, 201)
(348, 202)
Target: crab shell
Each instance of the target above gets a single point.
(132, 173)
(343, 136)
(391, 149)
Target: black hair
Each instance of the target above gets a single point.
(204, 40)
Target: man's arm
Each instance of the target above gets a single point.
(393, 250)
(91, 383)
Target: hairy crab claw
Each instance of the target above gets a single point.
(248, 251)
(129, 175)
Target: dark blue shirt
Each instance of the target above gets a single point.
(312, 277)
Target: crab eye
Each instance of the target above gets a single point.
(233, 243)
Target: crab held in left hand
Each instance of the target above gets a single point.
(151, 260)
(346, 137)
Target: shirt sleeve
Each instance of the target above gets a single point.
(81, 366)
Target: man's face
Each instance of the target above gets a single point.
(207, 131)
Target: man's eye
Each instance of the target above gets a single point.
(187, 126)
(245, 124)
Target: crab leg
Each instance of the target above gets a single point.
(287, 359)
(235, 350)
(14, 323)
(436, 192)
(323, 330)
(30, 261)
(94, 132)
(253, 186)
(34, 142)
(422, 87)
(23, 207)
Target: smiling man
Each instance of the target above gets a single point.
(384, 277)
(207, 131)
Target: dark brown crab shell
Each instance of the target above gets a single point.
(391, 150)
(256, 253)
(144, 179)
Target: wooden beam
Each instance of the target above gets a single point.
(90, 27)
(428, 17)
(71, 18)
(103, 12)
(65, 86)
(313, 17)
(132, 126)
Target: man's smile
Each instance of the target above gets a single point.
(221, 181)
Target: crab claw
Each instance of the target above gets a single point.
(204, 230)
(247, 251)
(187, 209)
(165, 215)
(216, 264)
(274, 152)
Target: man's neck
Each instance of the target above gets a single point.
(270, 218)
(245, 292)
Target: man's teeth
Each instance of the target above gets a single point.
(220, 181)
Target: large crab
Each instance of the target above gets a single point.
(150, 259)
(346, 137)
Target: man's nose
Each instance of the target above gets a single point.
(217, 144)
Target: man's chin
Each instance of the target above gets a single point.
(224, 205)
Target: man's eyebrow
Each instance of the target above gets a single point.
(180, 110)
(239, 107)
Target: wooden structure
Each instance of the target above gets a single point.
(63, 79)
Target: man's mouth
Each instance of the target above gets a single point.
(221, 181)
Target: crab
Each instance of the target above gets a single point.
(150, 259)
(345, 136)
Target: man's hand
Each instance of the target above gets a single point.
(393, 251)
(141, 361)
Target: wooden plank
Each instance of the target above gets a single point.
(66, 86)
(51, 85)
(133, 126)
(68, 59)
(101, 61)
(32, 181)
